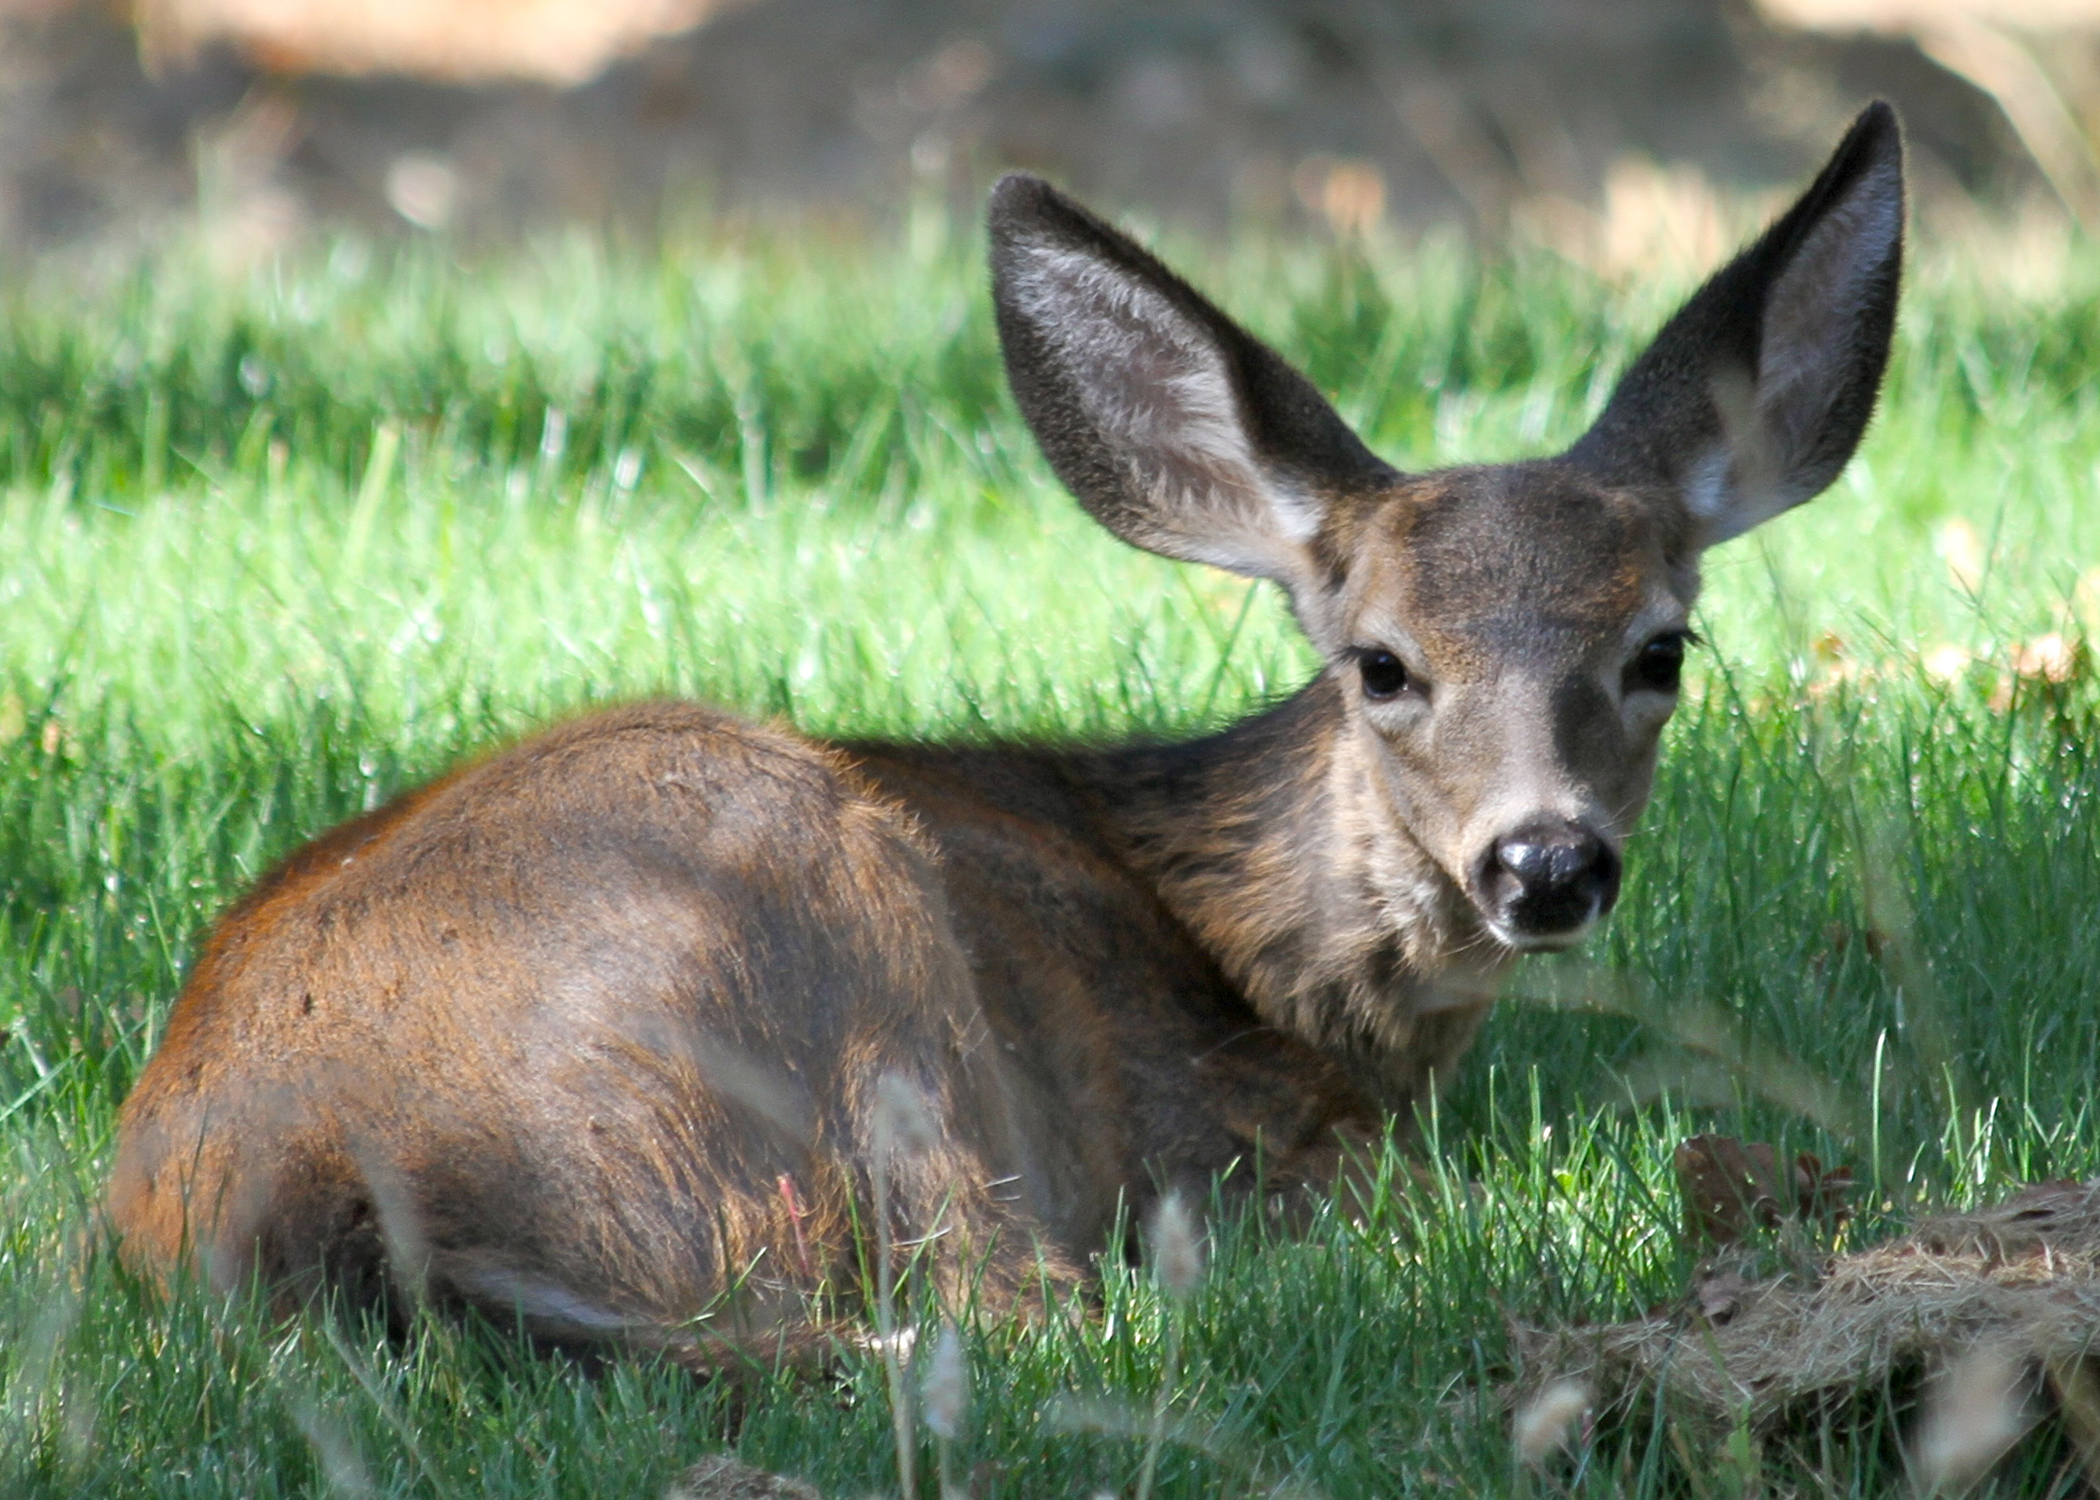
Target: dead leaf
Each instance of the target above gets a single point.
(1728, 1187)
(1819, 1194)
(1719, 1294)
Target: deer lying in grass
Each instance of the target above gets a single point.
(586, 1032)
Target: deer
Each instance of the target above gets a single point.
(607, 1033)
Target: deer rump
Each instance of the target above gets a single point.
(635, 1013)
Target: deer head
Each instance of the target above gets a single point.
(1504, 641)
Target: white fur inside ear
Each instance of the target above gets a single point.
(1745, 478)
(1155, 386)
(1706, 487)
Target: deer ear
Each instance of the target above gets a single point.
(1176, 429)
(1753, 397)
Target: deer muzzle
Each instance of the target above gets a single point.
(1545, 883)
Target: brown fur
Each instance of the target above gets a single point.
(614, 1021)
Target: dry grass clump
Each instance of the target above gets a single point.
(721, 1477)
(2015, 1286)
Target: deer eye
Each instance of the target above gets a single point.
(1384, 674)
(1656, 667)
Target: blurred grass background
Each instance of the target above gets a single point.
(274, 547)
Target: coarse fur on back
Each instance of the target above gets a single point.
(663, 1002)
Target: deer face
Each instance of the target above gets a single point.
(1507, 644)
(1505, 639)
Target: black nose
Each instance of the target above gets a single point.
(1550, 877)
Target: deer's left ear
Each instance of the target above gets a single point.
(1753, 397)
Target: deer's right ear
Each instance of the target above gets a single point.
(1754, 395)
(1175, 428)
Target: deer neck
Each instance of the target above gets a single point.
(1275, 845)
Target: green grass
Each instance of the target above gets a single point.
(272, 550)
